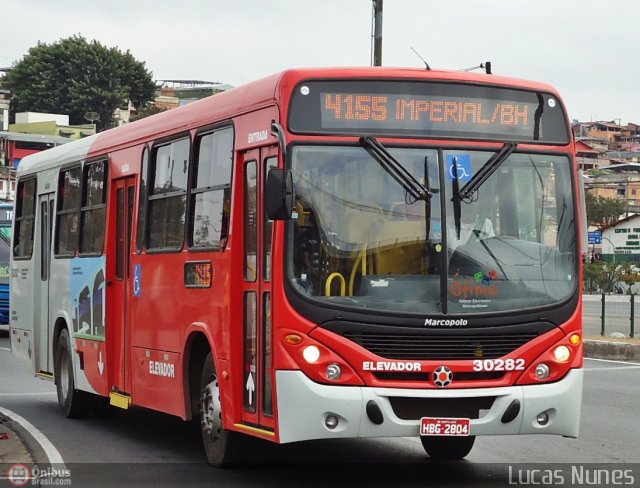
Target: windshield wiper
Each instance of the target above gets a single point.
(395, 169)
(456, 199)
(487, 170)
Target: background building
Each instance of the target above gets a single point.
(621, 241)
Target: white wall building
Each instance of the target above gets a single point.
(622, 239)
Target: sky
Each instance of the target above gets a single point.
(586, 49)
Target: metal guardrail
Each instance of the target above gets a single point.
(613, 313)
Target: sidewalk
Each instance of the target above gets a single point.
(12, 449)
(615, 349)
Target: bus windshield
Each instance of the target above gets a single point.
(359, 239)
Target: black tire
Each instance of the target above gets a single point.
(73, 403)
(221, 445)
(447, 448)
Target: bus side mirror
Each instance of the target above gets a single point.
(278, 194)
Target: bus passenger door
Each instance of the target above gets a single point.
(257, 384)
(122, 201)
(42, 337)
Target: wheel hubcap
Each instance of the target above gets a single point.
(210, 410)
(64, 374)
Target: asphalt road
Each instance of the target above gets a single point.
(140, 447)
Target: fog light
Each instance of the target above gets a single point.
(333, 371)
(542, 418)
(331, 421)
(562, 354)
(311, 354)
(542, 371)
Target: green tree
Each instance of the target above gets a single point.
(74, 76)
(602, 211)
(605, 274)
(628, 274)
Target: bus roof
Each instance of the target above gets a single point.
(273, 89)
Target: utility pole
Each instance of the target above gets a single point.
(377, 32)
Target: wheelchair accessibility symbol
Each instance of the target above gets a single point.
(137, 280)
(462, 165)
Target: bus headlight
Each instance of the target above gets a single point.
(562, 354)
(311, 354)
(542, 371)
(316, 360)
(555, 363)
(333, 371)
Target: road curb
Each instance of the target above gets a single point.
(611, 350)
(13, 450)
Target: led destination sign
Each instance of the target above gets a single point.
(440, 113)
(427, 109)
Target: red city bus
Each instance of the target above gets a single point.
(324, 253)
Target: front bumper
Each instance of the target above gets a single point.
(303, 406)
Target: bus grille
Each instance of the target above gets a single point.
(426, 376)
(421, 347)
(407, 408)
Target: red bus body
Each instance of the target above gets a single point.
(159, 326)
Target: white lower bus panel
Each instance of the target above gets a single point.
(304, 405)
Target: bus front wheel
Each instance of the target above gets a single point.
(443, 448)
(220, 444)
(73, 403)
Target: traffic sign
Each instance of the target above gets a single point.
(595, 237)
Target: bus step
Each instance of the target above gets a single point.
(119, 400)
(43, 375)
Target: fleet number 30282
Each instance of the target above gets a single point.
(498, 364)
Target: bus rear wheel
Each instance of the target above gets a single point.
(220, 444)
(446, 448)
(73, 403)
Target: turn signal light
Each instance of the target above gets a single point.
(574, 339)
(292, 339)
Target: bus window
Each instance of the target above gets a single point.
(167, 199)
(251, 222)
(68, 206)
(212, 190)
(25, 218)
(269, 163)
(94, 208)
(142, 203)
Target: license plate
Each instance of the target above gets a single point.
(444, 426)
